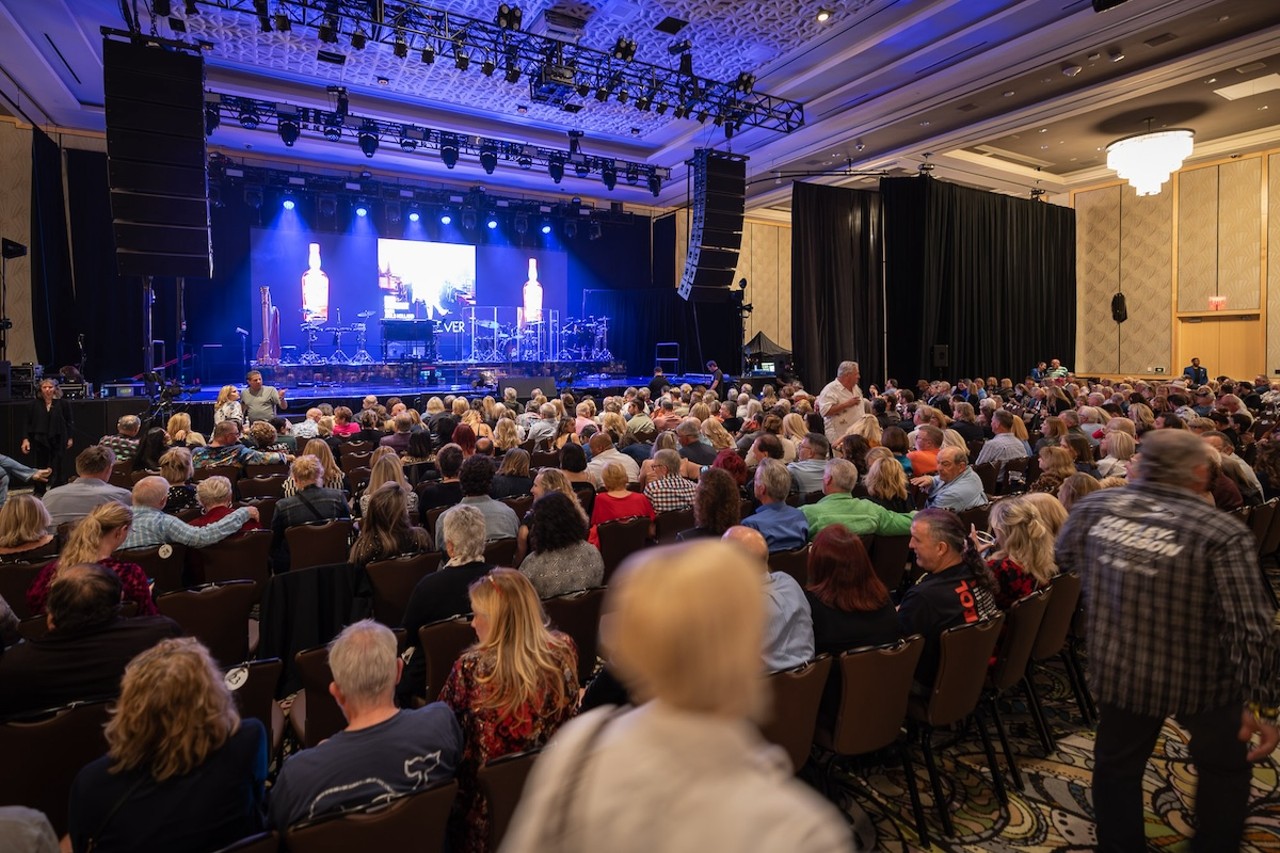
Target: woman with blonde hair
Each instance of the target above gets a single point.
(385, 530)
(505, 435)
(867, 427)
(511, 691)
(1075, 487)
(1144, 420)
(614, 424)
(388, 470)
(177, 468)
(717, 434)
(683, 634)
(1051, 510)
(1056, 465)
(182, 771)
(24, 530)
(795, 429)
(179, 430)
(1117, 451)
(93, 540)
(1022, 560)
(886, 483)
(333, 476)
(228, 406)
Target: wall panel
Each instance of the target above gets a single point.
(15, 223)
(1098, 269)
(1197, 237)
(1273, 265)
(1146, 268)
(1239, 233)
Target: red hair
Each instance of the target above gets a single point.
(840, 572)
(465, 437)
(730, 461)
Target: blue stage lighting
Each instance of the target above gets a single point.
(362, 211)
(289, 204)
(492, 223)
(414, 216)
(446, 219)
(546, 228)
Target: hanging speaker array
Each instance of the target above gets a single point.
(715, 235)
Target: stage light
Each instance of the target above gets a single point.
(824, 15)
(329, 30)
(642, 103)
(602, 94)
(368, 138)
(428, 55)
(249, 118)
(624, 49)
(508, 17)
(745, 83)
(289, 204)
(289, 129)
(593, 230)
(660, 108)
(581, 169)
(414, 216)
(362, 210)
(623, 95)
(555, 168)
(469, 220)
(489, 157)
(212, 118)
(283, 22)
(460, 59)
(609, 174)
(401, 49)
(633, 174)
(253, 197)
(570, 229)
(407, 143)
(446, 219)
(333, 127)
(655, 183)
(487, 68)
(449, 150)
(521, 223)
(492, 223)
(525, 158)
(546, 227)
(513, 74)
(191, 7)
(358, 40)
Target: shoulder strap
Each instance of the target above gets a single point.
(311, 506)
(124, 798)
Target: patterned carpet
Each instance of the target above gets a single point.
(1055, 812)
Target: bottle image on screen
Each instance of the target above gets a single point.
(533, 295)
(315, 289)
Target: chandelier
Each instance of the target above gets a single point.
(1146, 160)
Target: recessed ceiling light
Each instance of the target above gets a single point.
(383, 81)
(1044, 130)
(824, 15)
(1212, 80)
(1044, 147)
(1009, 93)
(1263, 107)
(924, 123)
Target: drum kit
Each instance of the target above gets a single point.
(578, 340)
(585, 340)
(361, 329)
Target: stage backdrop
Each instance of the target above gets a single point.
(989, 277)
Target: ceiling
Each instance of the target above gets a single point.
(1001, 94)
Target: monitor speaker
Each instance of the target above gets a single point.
(715, 235)
(941, 356)
(156, 159)
(526, 386)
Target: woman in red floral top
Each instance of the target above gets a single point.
(93, 540)
(511, 691)
(1022, 559)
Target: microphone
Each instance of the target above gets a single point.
(241, 331)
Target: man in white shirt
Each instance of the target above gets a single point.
(840, 402)
(603, 452)
(309, 427)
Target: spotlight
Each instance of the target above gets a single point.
(622, 96)
(414, 216)
(633, 174)
(289, 203)
(428, 55)
(642, 103)
(525, 158)
(508, 17)
(460, 59)
(581, 169)
(602, 94)
(329, 30)
(555, 167)
(570, 229)
(327, 206)
(609, 174)
(686, 64)
(521, 223)
(289, 129)
(446, 219)
(745, 83)
(401, 49)
(655, 183)
(661, 108)
(333, 128)
(212, 118)
(624, 49)
(513, 74)
(546, 227)
(362, 210)
(449, 150)
(407, 143)
(487, 68)
(489, 157)
(368, 137)
(593, 230)
(493, 221)
(161, 8)
(358, 40)
(253, 197)
(469, 220)
(824, 15)
(249, 118)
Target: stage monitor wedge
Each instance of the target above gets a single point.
(157, 159)
(715, 235)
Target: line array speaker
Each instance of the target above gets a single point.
(156, 159)
(715, 236)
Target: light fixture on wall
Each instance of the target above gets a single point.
(1146, 160)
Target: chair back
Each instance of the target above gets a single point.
(231, 472)
(501, 552)
(247, 556)
(318, 543)
(1023, 619)
(544, 459)
(443, 642)
(261, 487)
(355, 448)
(869, 720)
(813, 497)
(578, 615)
(393, 582)
(889, 556)
(1271, 543)
(266, 469)
(263, 842)
(217, 615)
(165, 564)
(501, 781)
(796, 696)
(962, 670)
(672, 522)
(520, 503)
(358, 479)
(620, 539)
(15, 580)
(586, 496)
(433, 515)
(989, 473)
(415, 821)
(322, 717)
(1056, 624)
(1260, 520)
(976, 517)
(1011, 467)
(351, 461)
(794, 563)
(253, 686)
(44, 753)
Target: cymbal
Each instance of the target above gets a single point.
(488, 324)
(366, 313)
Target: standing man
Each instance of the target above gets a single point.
(1195, 374)
(840, 403)
(1210, 659)
(657, 384)
(261, 402)
(717, 378)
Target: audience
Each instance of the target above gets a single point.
(617, 501)
(388, 471)
(176, 468)
(446, 491)
(385, 530)
(226, 449)
(839, 506)
(151, 527)
(334, 478)
(312, 503)
(849, 603)
(1056, 465)
(214, 496)
(94, 540)
(1021, 558)
(75, 500)
(1075, 487)
(603, 453)
(25, 528)
(886, 483)
(475, 478)
(153, 446)
(784, 527)
(788, 631)
(956, 486)
(1117, 450)
(716, 505)
(811, 460)
(562, 560)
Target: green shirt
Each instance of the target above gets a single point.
(858, 515)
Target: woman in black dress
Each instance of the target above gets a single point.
(48, 432)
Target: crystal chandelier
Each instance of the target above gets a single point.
(1146, 160)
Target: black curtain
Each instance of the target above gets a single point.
(643, 318)
(978, 284)
(52, 295)
(837, 282)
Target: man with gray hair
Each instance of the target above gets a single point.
(152, 526)
(124, 444)
(956, 486)
(839, 506)
(383, 752)
(784, 527)
(811, 462)
(1209, 655)
(692, 447)
(788, 632)
(544, 429)
(667, 489)
(840, 402)
(1236, 468)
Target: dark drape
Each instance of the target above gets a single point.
(989, 277)
(643, 318)
(54, 324)
(837, 286)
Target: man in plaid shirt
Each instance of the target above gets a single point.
(667, 490)
(1179, 625)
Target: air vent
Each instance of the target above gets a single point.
(1251, 67)
(670, 25)
(1163, 38)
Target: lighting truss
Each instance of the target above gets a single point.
(557, 71)
(323, 124)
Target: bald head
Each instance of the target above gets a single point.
(151, 491)
(750, 539)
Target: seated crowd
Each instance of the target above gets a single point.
(776, 474)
